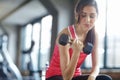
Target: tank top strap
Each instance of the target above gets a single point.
(72, 31)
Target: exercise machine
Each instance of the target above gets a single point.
(8, 70)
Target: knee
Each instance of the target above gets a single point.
(104, 77)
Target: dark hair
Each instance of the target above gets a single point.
(78, 9)
(90, 36)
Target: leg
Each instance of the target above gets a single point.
(99, 77)
(55, 78)
(103, 77)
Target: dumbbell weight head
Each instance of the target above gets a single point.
(88, 48)
(64, 39)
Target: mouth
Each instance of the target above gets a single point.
(87, 25)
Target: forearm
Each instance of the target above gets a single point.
(69, 71)
(95, 71)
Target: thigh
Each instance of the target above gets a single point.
(81, 77)
(55, 78)
(103, 77)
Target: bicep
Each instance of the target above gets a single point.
(95, 57)
(64, 57)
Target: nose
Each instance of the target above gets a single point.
(88, 19)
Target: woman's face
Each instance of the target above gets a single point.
(88, 17)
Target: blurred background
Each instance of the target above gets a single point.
(28, 29)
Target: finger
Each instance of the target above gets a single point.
(71, 40)
(79, 42)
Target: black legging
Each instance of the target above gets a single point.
(82, 77)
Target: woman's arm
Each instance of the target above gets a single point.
(95, 63)
(68, 65)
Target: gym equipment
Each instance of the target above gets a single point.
(64, 39)
(8, 70)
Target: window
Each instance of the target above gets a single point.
(113, 33)
(107, 28)
(40, 33)
(46, 24)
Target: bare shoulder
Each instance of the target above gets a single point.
(64, 31)
(96, 35)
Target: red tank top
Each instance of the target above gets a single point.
(54, 67)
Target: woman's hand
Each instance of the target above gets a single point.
(91, 77)
(77, 45)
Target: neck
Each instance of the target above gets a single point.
(80, 32)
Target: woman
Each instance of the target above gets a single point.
(66, 60)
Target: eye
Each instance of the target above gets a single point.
(92, 16)
(83, 15)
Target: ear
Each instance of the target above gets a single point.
(76, 18)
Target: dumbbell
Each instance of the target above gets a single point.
(64, 39)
